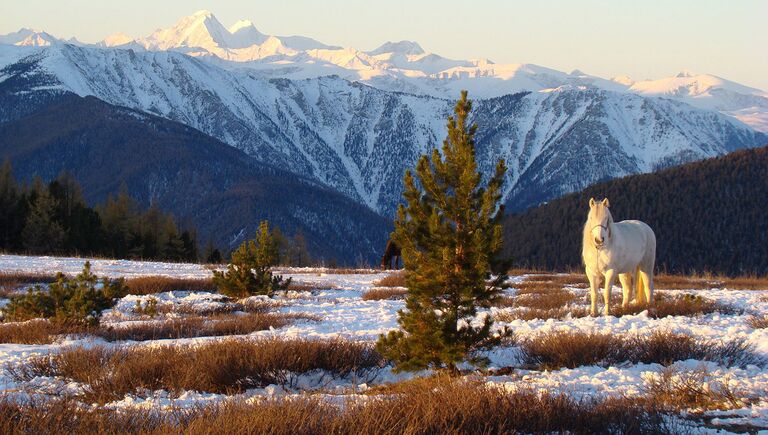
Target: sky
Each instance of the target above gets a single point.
(642, 39)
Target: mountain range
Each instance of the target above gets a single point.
(351, 122)
(406, 67)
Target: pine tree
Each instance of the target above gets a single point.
(82, 224)
(249, 272)
(212, 254)
(42, 234)
(11, 210)
(299, 254)
(449, 233)
(120, 223)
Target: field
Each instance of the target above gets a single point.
(305, 361)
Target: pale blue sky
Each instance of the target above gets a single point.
(644, 39)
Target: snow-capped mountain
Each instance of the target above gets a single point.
(749, 105)
(29, 38)
(405, 66)
(359, 139)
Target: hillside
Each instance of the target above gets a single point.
(215, 187)
(708, 216)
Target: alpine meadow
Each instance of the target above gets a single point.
(212, 228)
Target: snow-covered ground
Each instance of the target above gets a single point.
(336, 300)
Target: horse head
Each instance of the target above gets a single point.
(600, 222)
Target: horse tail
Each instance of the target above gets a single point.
(639, 292)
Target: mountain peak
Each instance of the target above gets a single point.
(117, 39)
(241, 25)
(684, 74)
(203, 13)
(401, 47)
(28, 37)
(623, 80)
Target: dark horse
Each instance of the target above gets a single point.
(391, 257)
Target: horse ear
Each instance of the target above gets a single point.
(591, 202)
(606, 203)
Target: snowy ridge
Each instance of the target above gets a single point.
(405, 66)
(344, 133)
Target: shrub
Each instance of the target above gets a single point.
(250, 273)
(148, 309)
(75, 300)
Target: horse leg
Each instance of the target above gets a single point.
(610, 276)
(640, 298)
(594, 281)
(626, 288)
(647, 277)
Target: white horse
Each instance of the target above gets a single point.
(626, 248)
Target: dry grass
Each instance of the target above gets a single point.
(147, 285)
(677, 390)
(535, 303)
(677, 305)
(347, 271)
(228, 366)
(708, 281)
(540, 297)
(556, 350)
(394, 279)
(758, 322)
(12, 282)
(43, 331)
(37, 331)
(226, 307)
(443, 406)
(303, 286)
(377, 294)
(189, 327)
(528, 314)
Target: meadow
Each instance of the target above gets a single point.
(174, 355)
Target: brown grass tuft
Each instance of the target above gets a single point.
(12, 282)
(227, 366)
(677, 305)
(37, 331)
(303, 286)
(528, 314)
(376, 294)
(560, 349)
(708, 281)
(677, 390)
(394, 279)
(147, 285)
(758, 322)
(189, 327)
